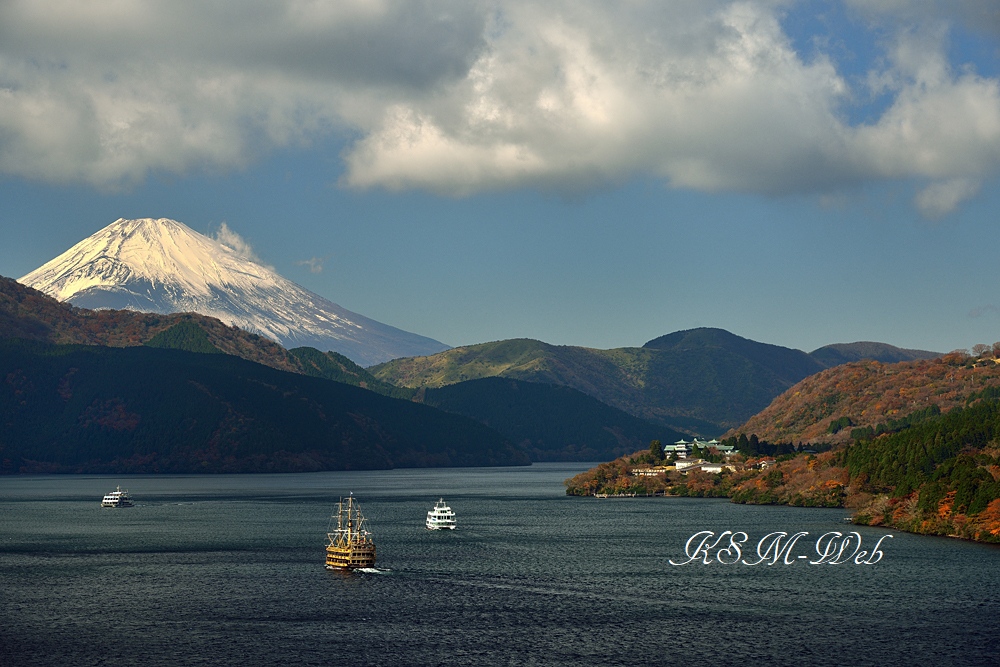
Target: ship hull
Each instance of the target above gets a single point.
(350, 557)
(440, 526)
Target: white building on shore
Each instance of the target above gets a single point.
(683, 447)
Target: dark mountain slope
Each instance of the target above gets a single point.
(30, 314)
(716, 375)
(337, 367)
(553, 423)
(785, 364)
(139, 409)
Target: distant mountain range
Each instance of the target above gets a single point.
(552, 402)
(701, 381)
(544, 422)
(163, 266)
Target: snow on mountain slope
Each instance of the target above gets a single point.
(163, 266)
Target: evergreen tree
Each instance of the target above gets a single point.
(656, 453)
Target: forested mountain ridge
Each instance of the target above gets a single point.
(845, 353)
(572, 426)
(27, 313)
(700, 381)
(788, 364)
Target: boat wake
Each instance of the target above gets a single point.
(364, 570)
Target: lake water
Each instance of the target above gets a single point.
(228, 570)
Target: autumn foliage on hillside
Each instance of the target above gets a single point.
(615, 478)
(829, 406)
(27, 313)
(804, 481)
(923, 472)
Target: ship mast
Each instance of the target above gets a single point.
(350, 544)
(349, 523)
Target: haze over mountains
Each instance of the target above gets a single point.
(163, 266)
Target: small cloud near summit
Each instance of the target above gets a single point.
(235, 242)
(315, 264)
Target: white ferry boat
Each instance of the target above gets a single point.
(117, 498)
(441, 517)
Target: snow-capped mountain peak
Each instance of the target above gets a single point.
(163, 266)
(160, 251)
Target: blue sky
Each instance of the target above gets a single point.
(584, 173)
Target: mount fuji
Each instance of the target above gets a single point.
(163, 266)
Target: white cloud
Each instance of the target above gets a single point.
(315, 264)
(584, 94)
(939, 199)
(105, 93)
(462, 96)
(235, 242)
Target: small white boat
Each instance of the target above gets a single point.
(117, 498)
(441, 517)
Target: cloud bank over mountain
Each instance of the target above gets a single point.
(459, 97)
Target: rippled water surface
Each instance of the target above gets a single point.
(228, 570)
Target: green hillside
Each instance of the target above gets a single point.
(141, 409)
(702, 381)
(550, 422)
(335, 366)
(186, 336)
(948, 464)
(553, 423)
